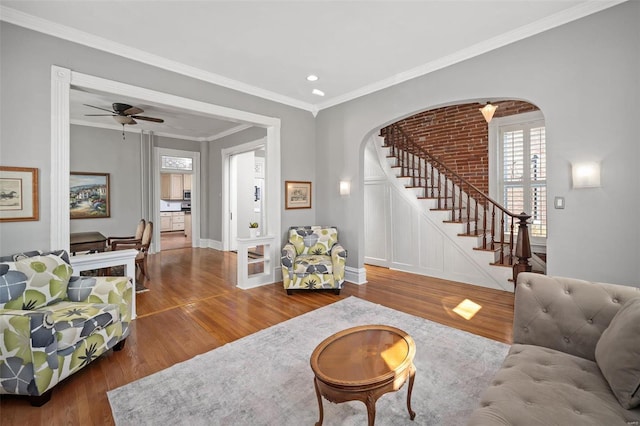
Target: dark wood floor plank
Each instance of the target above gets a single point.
(194, 306)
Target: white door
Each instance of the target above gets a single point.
(241, 196)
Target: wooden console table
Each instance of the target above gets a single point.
(87, 241)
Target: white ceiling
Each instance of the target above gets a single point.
(267, 48)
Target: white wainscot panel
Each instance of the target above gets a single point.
(431, 246)
(375, 225)
(404, 223)
(459, 265)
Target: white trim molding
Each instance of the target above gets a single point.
(355, 275)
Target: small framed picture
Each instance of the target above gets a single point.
(297, 195)
(18, 194)
(89, 195)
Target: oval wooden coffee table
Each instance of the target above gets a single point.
(363, 363)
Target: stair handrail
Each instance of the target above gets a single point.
(522, 246)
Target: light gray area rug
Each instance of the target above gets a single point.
(265, 378)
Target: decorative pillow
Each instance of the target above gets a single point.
(618, 354)
(43, 280)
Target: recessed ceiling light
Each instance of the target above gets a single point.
(317, 92)
(312, 77)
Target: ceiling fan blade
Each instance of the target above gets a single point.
(133, 111)
(104, 109)
(99, 115)
(141, 117)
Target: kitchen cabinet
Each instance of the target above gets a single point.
(171, 221)
(165, 221)
(177, 221)
(172, 186)
(186, 182)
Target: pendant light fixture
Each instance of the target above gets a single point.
(488, 110)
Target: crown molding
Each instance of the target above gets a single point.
(228, 132)
(579, 11)
(64, 32)
(61, 31)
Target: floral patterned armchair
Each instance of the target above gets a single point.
(52, 324)
(313, 259)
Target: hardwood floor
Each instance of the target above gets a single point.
(194, 307)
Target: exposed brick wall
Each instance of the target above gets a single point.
(458, 136)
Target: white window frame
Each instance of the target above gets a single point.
(495, 156)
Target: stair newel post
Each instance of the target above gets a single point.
(523, 247)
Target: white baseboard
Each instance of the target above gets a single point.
(355, 275)
(212, 244)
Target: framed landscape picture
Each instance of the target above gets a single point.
(297, 195)
(89, 195)
(18, 194)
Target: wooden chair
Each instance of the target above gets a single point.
(142, 245)
(137, 236)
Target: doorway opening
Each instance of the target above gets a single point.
(177, 212)
(244, 202)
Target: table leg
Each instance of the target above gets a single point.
(315, 384)
(371, 408)
(412, 376)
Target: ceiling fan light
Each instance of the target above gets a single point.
(488, 110)
(123, 119)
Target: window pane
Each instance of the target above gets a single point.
(179, 163)
(513, 153)
(538, 211)
(538, 154)
(514, 199)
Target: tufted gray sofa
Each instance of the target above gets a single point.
(551, 376)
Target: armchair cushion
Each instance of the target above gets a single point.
(75, 321)
(618, 354)
(313, 239)
(311, 264)
(34, 282)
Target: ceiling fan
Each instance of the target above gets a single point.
(124, 114)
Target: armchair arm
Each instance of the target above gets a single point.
(116, 290)
(286, 261)
(28, 359)
(132, 243)
(110, 239)
(339, 260)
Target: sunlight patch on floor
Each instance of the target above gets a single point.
(467, 309)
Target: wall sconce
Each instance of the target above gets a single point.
(345, 187)
(586, 175)
(488, 110)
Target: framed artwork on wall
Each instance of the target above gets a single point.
(297, 195)
(18, 194)
(89, 195)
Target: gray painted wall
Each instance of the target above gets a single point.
(104, 151)
(584, 78)
(26, 58)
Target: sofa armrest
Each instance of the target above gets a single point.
(288, 255)
(28, 351)
(339, 261)
(116, 290)
(565, 314)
